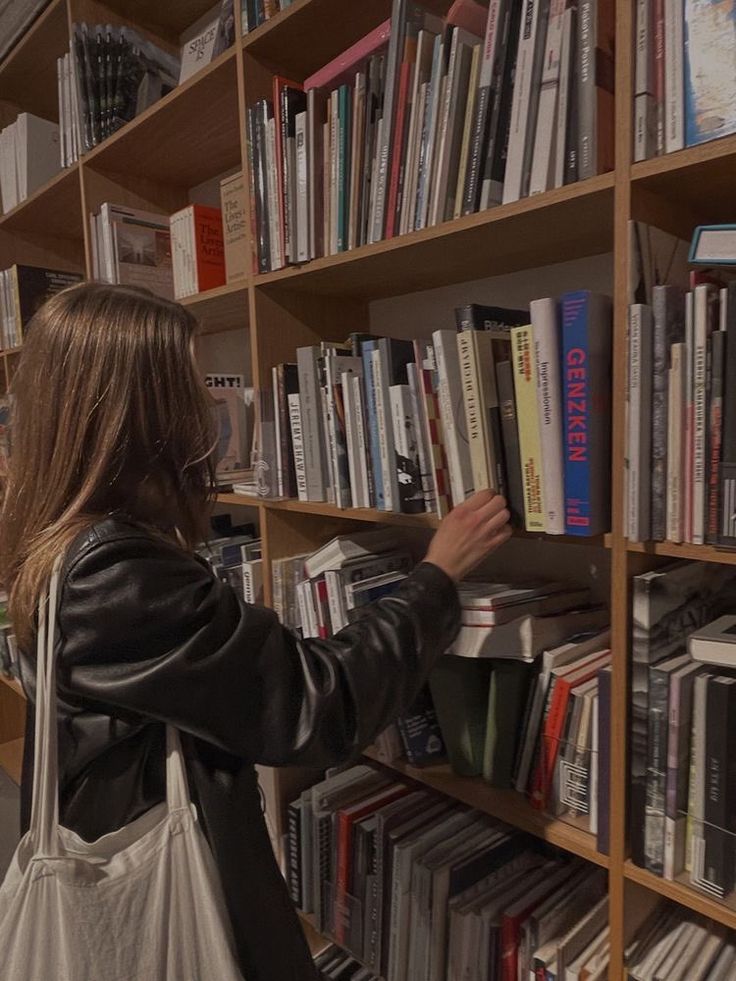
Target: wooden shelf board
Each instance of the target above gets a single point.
(700, 176)
(562, 224)
(239, 500)
(190, 135)
(54, 209)
(167, 19)
(221, 309)
(506, 805)
(295, 39)
(700, 553)
(11, 758)
(14, 685)
(28, 72)
(682, 893)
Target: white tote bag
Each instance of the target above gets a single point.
(141, 904)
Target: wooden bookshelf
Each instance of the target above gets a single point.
(11, 758)
(196, 133)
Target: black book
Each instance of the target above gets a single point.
(511, 450)
(32, 286)
(494, 168)
(719, 825)
(479, 316)
(258, 117)
(293, 101)
(727, 502)
(571, 130)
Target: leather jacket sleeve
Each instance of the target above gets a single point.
(147, 631)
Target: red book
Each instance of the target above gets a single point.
(554, 723)
(346, 818)
(209, 247)
(397, 144)
(322, 603)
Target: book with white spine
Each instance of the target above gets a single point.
(566, 91)
(544, 159)
(674, 79)
(675, 444)
(302, 190)
(452, 414)
(546, 332)
(640, 431)
(526, 99)
(297, 442)
(645, 110)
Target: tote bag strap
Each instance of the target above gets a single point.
(45, 802)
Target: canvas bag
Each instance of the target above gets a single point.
(141, 904)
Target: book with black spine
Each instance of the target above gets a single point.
(481, 316)
(511, 450)
(719, 826)
(293, 818)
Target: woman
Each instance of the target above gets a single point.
(112, 468)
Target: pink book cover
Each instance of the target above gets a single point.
(345, 64)
(469, 15)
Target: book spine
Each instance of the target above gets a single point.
(386, 447)
(567, 69)
(659, 75)
(669, 328)
(644, 108)
(715, 433)
(605, 678)
(674, 19)
(656, 771)
(510, 428)
(453, 415)
(295, 864)
(595, 91)
(371, 406)
(398, 147)
(435, 441)
(275, 229)
(727, 496)
(640, 430)
(718, 868)
(303, 189)
(676, 440)
(410, 498)
(483, 102)
(343, 168)
(277, 379)
(420, 429)
(499, 127)
(311, 425)
(297, 442)
(522, 342)
(703, 323)
(586, 356)
(688, 456)
(696, 801)
(543, 162)
(364, 461)
(521, 111)
(480, 452)
(545, 329)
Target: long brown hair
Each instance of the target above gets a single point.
(109, 416)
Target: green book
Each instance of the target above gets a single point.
(459, 687)
(507, 697)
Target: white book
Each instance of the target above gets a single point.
(357, 490)
(274, 224)
(37, 152)
(63, 153)
(291, 201)
(640, 429)
(385, 432)
(8, 180)
(336, 366)
(303, 205)
(375, 166)
(676, 444)
(705, 296)
(253, 581)
(567, 74)
(452, 415)
(451, 121)
(674, 78)
(546, 331)
(356, 384)
(297, 441)
(334, 167)
(418, 408)
(645, 110)
(695, 845)
(544, 159)
(406, 450)
(525, 100)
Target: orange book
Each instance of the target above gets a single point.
(209, 248)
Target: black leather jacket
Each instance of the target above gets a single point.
(148, 636)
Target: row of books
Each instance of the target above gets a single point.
(425, 119)
(420, 888)
(23, 289)
(685, 77)
(235, 554)
(682, 416)
(29, 156)
(676, 944)
(415, 426)
(253, 13)
(682, 783)
(196, 249)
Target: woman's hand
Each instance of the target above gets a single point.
(469, 533)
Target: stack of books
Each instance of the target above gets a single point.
(685, 76)
(114, 74)
(514, 401)
(416, 886)
(682, 783)
(23, 290)
(682, 414)
(237, 559)
(426, 119)
(677, 944)
(29, 156)
(253, 13)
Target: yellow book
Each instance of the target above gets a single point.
(530, 449)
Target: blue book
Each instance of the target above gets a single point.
(369, 382)
(710, 70)
(586, 375)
